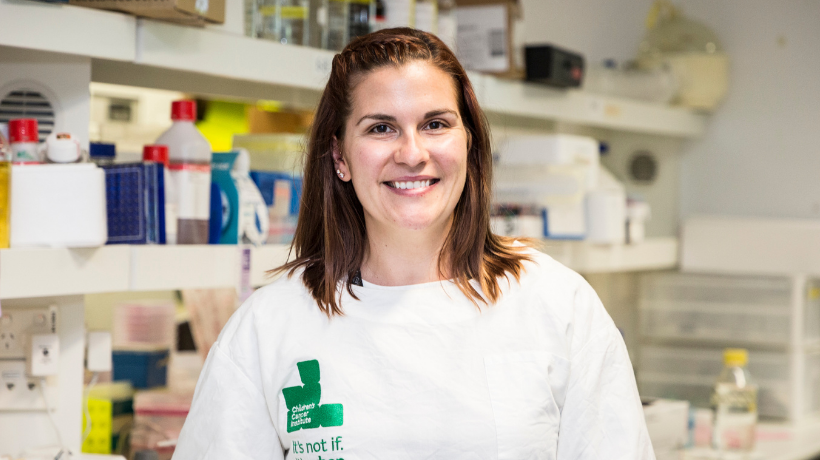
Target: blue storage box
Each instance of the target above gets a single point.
(143, 368)
(135, 199)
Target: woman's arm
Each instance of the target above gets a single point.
(229, 417)
(602, 417)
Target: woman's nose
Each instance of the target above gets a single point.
(411, 151)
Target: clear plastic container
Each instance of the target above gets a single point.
(346, 20)
(284, 21)
(748, 310)
(144, 323)
(788, 382)
(190, 174)
(735, 403)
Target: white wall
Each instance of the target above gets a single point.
(761, 154)
(600, 29)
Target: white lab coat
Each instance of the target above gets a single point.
(418, 372)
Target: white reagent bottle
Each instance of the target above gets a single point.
(189, 171)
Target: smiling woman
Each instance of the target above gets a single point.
(405, 329)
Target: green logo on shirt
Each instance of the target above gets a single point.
(304, 410)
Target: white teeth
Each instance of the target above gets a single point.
(411, 184)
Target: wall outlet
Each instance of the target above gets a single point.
(44, 357)
(19, 393)
(17, 325)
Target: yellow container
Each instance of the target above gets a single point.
(5, 176)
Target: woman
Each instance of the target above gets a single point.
(404, 328)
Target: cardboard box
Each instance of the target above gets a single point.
(189, 12)
(484, 37)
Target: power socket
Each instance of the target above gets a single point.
(44, 357)
(19, 392)
(17, 325)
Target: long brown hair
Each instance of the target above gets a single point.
(330, 243)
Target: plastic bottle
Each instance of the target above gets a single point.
(189, 169)
(5, 148)
(159, 154)
(24, 138)
(254, 221)
(735, 403)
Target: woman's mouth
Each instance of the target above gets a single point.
(412, 184)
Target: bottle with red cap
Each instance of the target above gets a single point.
(159, 154)
(24, 138)
(189, 167)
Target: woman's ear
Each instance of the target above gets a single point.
(342, 171)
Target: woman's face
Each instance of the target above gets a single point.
(405, 148)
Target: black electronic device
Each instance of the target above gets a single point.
(554, 66)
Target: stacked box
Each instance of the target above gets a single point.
(686, 320)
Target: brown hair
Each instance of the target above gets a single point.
(331, 239)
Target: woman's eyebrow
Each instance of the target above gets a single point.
(435, 113)
(383, 117)
(377, 116)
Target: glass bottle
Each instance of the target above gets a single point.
(735, 403)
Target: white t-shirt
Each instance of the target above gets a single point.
(418, 372)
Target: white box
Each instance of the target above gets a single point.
(553, 150)
(483, 38)
(57, 205)
(667, 422)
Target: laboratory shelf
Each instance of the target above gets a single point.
(589, 258)
(67, 29)
(44, 272)
(142, 52)
(578, 107)
(777, 441)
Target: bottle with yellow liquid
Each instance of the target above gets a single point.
(735, 403)
(5, 171)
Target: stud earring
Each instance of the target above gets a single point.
(340, 173)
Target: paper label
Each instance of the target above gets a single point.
(192, 187)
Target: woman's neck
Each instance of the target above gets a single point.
(403, 258)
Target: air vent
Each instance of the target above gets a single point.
(28, 104)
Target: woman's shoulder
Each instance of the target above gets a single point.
(270, 305)
(542, 268)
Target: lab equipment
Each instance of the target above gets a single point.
(691, 50)
(282, 194)
(667, 422)
(554, 66)
(347, 19)
(5, 148)
(144, 323)
(62, 148)
(24, 140)
(284, 21)
(159, 154)
(135, 200)
(158, 419)
(102, 153)
(253, 218)
(735, 402)
(58, 205)
(190, 173)
(687, 319)
(142, 368)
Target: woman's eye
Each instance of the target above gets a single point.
(380, 129)
(436, 125)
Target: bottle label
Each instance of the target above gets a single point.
(192, 187)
